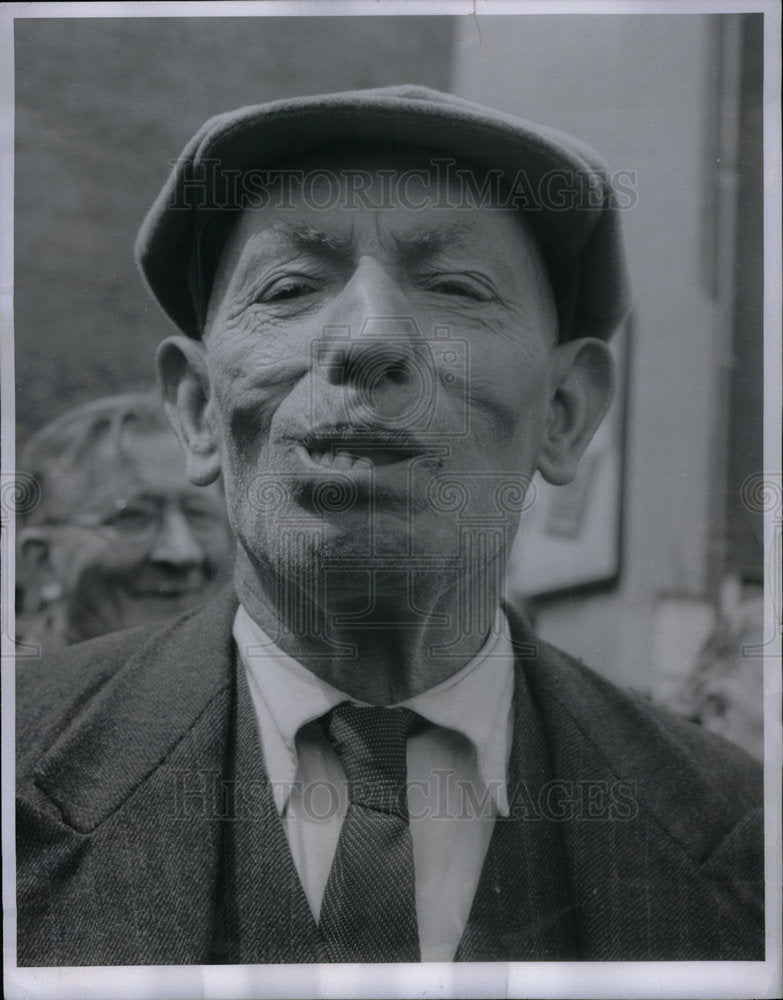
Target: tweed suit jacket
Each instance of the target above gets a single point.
(147, 832)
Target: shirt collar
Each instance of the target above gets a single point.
(475, 702)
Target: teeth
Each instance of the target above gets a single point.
(339, 459)
(342, 460)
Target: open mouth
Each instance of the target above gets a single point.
(370, 448)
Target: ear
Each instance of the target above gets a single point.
(182, 369)
(582, 391)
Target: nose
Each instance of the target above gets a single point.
(373, 345)
(175, 544)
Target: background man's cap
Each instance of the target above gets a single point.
(560, 183)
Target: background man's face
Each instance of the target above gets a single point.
(362, 358)
(137, 543)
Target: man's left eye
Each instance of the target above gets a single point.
(462, 287)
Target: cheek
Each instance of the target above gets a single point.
(250, 351)
(505, 368)
(124, 555)
(250, 375)
(110, 569)
(508, 403)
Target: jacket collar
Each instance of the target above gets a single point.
(579, 732)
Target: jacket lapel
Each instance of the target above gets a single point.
(652, 844)
(522, 910)
(140, 716)
(137, 771)
(618, 842)
(267, 916)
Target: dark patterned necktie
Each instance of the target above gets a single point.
(368, 912)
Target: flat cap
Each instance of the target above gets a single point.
(560, 183)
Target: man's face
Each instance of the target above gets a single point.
(381, 376)
(142, 543)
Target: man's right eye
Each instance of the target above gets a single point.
(285, 289)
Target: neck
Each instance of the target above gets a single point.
(383, 641)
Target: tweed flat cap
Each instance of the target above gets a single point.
(559, 182)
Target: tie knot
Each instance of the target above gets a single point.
(371, 743)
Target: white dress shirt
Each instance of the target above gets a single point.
(457, 773)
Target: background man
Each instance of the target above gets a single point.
(377, 354)
(120, 536)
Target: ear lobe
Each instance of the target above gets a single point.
(582, 392)
(182, 369)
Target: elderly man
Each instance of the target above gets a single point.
(393, 309)
(120, 536)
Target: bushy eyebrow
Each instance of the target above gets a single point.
(309, 239)
(282, 239)
(414, 246)
(420, 245)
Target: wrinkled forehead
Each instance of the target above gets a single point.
(425, 200)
